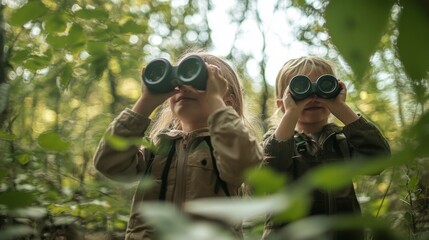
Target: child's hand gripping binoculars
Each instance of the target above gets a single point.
(326, 86)
(160, 76)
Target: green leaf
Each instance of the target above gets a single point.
(98, 59)
(98, 64)
(16, 199)
(162, 147)
(30, 11)
(118, 143)
(66, 76)
(413, 39)
(76, 38)
(30, 212)
(265, 181)
(171, 224)
(356, 27)
(132, 27)
(24, 158)
(56, 41)
(298, 207)
(234, 210)
(98, 14)
(146, 183)
(331, 176)
(3, 174)
(19, 55)
(56, 23)
(412, 183)
(96, 48)
(419, 132)
(36, 62)
(6, 136)
(51, 141)
(16, 232)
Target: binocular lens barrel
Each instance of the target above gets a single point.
(189, 69)
(300, 87)
(161, 77)
(157, 70)
(326, 86)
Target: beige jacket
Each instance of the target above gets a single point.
(191, 174)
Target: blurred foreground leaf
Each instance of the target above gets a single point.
(170, 224)
(265, 181)
(336, 175)
(15, 232)
(51, 141)
(356, 27)
(234, 210)
(30, 11)
(413, 39)
(123, 143)
(30, 212)
(318, 227)
(16, 199)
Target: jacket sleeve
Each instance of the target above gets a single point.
(365, 139)
(122, 165)
(278, 155)
(235, 149)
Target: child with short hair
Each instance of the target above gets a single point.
(304, 138)
(210, 146)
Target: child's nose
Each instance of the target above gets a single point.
(314, 99)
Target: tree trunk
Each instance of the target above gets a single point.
(3, 81)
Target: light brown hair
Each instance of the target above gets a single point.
(165, 117)
(306, 65)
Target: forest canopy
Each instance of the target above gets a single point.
(69, 67)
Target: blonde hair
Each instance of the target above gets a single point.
(306, 65)
(165, 117)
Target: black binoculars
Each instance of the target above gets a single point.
(160, 76)
(326, 86)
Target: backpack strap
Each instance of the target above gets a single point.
(148, 170)
(219, 181)
(165, 171)
(343, 145)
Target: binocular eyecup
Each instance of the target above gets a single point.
(326, 86)
(160, 76)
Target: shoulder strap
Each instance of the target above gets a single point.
(219, 181)
(343, 145)
(148, 170)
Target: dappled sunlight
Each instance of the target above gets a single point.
(70, 67)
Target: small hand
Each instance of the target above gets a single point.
(334, 103)
(217, 85)
(148, 100)
(289, 104)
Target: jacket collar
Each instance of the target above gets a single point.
(327, 131)
(174, 134)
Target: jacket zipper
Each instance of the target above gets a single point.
(181, 174)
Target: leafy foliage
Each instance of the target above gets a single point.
(68, 67)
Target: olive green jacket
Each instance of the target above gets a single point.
(357, 141)
(191, 174)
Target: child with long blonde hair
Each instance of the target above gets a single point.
(209, 143)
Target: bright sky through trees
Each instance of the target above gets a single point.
(281, 43)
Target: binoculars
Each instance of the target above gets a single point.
(160, 76)
(326, 86)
